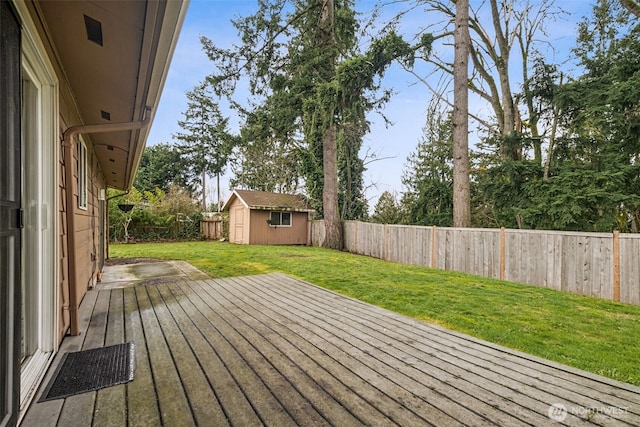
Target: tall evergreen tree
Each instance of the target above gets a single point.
(601, 116)
(352, 200)
(301, 57)
(428, 174)
(162, 166)
(387, 210)
(265, 159)
(205, 140)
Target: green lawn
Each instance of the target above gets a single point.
(588, 333)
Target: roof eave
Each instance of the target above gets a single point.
(166, 20)
(280, 208)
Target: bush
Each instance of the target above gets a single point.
(156, 216)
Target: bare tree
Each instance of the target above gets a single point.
(495, 27)
(532, 21)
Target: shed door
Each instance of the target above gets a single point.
(238, 224)
(10, 214)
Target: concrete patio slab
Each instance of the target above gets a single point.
(147, 273)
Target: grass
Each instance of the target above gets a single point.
(588, 333)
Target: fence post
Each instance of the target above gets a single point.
(616, 265)
(502, 254)
(433, 247)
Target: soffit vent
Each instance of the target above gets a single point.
(94, 29)
(105, 115)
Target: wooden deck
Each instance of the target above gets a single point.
(273, 350)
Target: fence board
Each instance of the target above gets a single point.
(317, 233)
(569, 261)
(554, 262)
(211, 228)
(630, 268)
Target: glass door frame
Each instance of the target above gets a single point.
(40, 145)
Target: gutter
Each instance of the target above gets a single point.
(68, 142)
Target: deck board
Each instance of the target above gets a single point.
(546, 376)
(111, 403)
(274, 350)
(439, 367)
(199, 393)
(360, 379)
(142, 409)
(172, 399)
(449, 393)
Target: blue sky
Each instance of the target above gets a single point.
(211, 18)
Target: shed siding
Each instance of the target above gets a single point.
(248, 219)
(264, 234)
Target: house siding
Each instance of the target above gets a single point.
(63, 266)
(87, 221)
(87, 228)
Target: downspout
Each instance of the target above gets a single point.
(69, 145)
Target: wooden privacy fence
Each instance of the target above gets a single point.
(212, 228)
(604, 265)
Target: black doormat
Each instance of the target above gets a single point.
(90, 370)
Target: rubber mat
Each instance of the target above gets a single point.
(89, 370)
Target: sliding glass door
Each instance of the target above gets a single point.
(39, 185)
(10, 214)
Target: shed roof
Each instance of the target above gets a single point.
(264, 200)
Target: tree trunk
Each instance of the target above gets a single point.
(552, 138)
(204, 192)
(218, 186)
(511, 150)
(332, 226)
(461, 191)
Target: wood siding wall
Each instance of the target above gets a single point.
(87, 223)
(595, 264)
(63, 251)
(264, 234)
(249, 226)
(87, 230)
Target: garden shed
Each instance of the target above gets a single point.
(264, 218)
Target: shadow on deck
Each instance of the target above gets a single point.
(273, 350)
